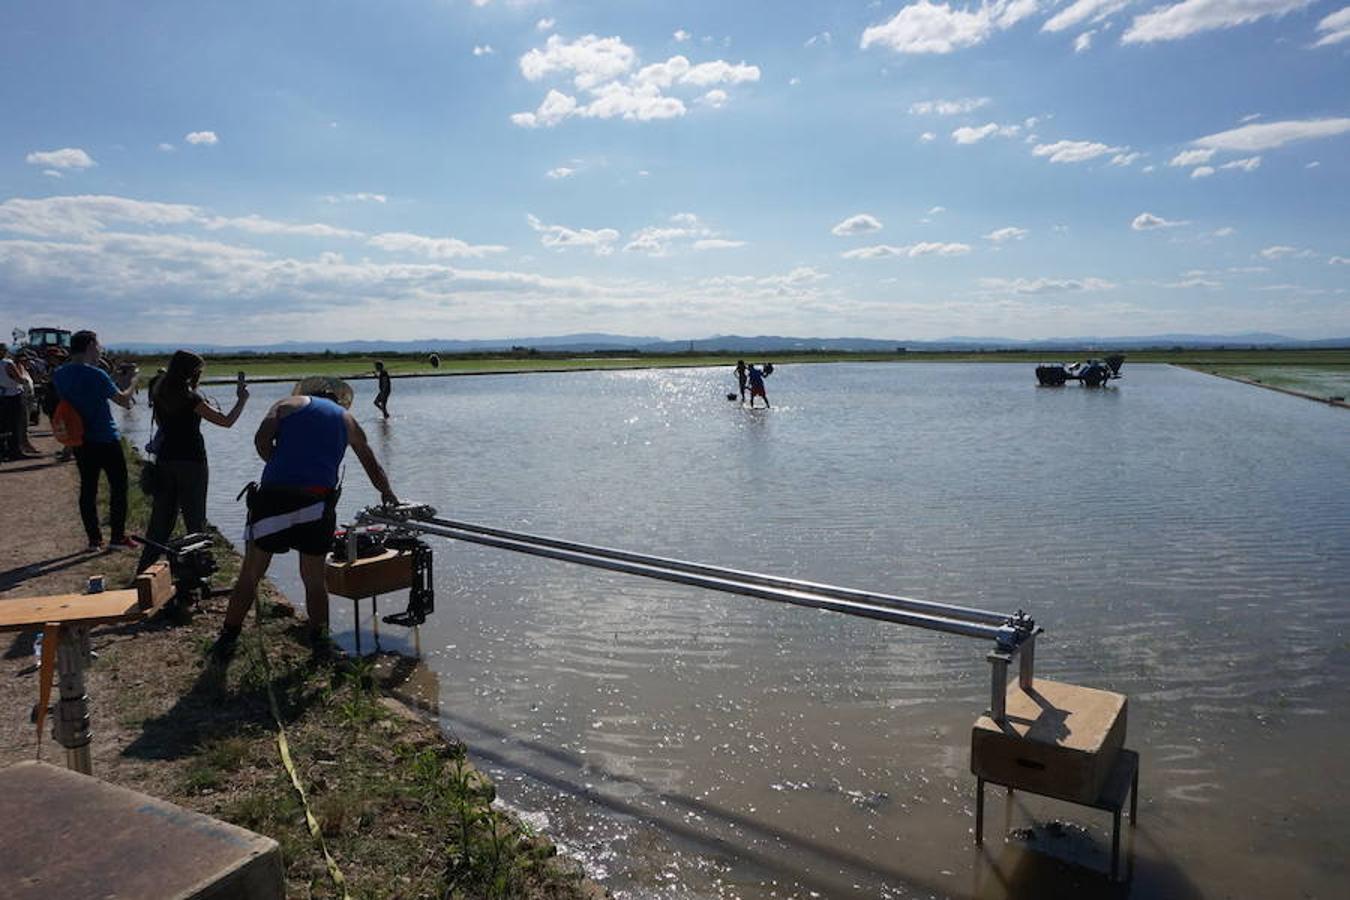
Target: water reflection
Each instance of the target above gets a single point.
(1180, 536)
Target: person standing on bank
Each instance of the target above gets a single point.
(180, 462)
(302, 440)
(385, 388)
(88, 388)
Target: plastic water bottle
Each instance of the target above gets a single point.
(37, 649)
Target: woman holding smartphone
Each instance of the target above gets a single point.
(181, 470)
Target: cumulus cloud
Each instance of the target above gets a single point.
(204, 138)
(1226, 231)
(1083, 42)
(910, 251)
(681, 231)
(1044, 285)
(432, 248)
(1011, 233)
(1269, 135)
(1339, 261)
(65, 158)
(862, 223)
(1191, 158)
(1250, 164)
(973, 135)
(255, 224)
(483, 50)
(559, 237)
(681, 35)
(1335, 28)
(926, 27)
(1082, 11)
(1125, 159)
(165, 147)
(560, 172)
(1074, 151)
(87, 214)
(604, 68)
(1148, 222)
(927, 137)
(947, 107)
(1202, 171)
(1181, 20)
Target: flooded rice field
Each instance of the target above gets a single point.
(1183, 540)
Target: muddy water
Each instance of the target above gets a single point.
(1183, 539)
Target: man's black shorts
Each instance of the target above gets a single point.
(282, 519)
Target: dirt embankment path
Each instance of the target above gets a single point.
(401, 809)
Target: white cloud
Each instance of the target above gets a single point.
(923, 248)
(52, 173)
(947, 107)
(1170, 23)
(1250, 164)
(87, 214)
(1312, 165)
(926, 27)
(357, 197)
(207, 138)
(561, 172)
(1125, 159)
(1226, 231)
(165, 147)
(1336, 26)
(862, 223)
(927, 136)
(591, 60)
(1191, 158)
(1195, 281)
(681, 36)
(598, 66)
(65, 158)
(483, 50)
(1268, 135)
(1011, 233)
(1339, 261)
(432, 248)
(1283, 251)
(545, 24)
(936, 210)
(717, 244)
(794, 81)
(968, 135)
(255, 224)
(560, 237)
(1202, 171)
(1044, 285)
(1074, 151)
(1081, 11)
(1083, 42)
(682, 230)
(823, 38)
(1148, 221)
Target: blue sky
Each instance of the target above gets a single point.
(220, 172)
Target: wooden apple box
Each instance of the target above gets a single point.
(1057, 739)
(381, 574)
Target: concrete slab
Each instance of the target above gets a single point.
(1058, 739)
(69, 835)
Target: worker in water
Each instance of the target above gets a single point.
(302, 440)
(740, 377)
(86, 385)
(385, 386)
(756, 378)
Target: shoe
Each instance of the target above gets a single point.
(124, 543)
(223, 649)
(96, 547)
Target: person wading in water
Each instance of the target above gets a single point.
(302, 440)
(385, 388)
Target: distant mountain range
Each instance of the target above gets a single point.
(589, 343)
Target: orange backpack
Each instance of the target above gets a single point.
(67, 426)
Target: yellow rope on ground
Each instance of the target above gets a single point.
(284, 747)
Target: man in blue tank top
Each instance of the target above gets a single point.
(302, 440)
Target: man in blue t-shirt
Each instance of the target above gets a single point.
(88, 388)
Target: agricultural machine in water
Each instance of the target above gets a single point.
(1093, 373)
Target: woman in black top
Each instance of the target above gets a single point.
(181, 478)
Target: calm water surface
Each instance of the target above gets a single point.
(1183, 539)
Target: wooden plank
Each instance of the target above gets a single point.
(154, 586)
(19, 613)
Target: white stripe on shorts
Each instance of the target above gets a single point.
(281, 521)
